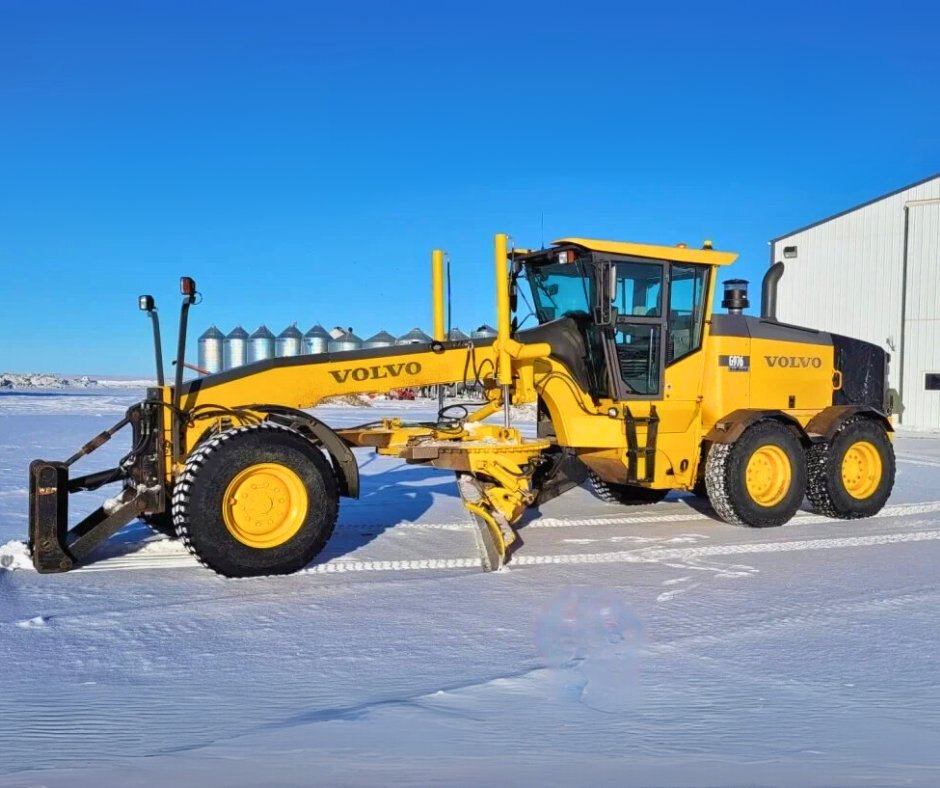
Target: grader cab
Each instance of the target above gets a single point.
(639, 386)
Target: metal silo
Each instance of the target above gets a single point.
(316, 340)
(483, 332)
(456, 335)
(348, 341)
(414, 337)
(338, 331)
(289, 342)
(210, 350)
(260, 345)
(236, 348)
(382, 339)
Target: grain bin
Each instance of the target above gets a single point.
(260, 345)
(414, 337)
(483, 332)
(382, 339)
(348, 341)
(210, 350)
(235, 350)
(316, 340)
(456, 335)
(289, 342)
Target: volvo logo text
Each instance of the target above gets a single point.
(794, 361)
(375, 373)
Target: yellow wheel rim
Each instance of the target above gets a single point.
(768, 475)
(265, 505)
(861, 470)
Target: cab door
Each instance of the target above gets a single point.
(688, 290)
(655, 338)
(656, 365)
(635, 350)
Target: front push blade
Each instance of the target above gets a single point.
(493, 533)
(48, 516)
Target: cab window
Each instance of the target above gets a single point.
(639, 290)
(639, 328)
(687, 289)
(559, 290)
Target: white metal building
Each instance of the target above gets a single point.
(873, 272)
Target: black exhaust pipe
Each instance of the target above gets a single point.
(768, 296)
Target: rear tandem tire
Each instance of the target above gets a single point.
(758, 480)
(852, 475)
(624, 494)
(256, 500)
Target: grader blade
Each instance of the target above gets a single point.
(494, 533)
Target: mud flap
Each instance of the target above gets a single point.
(494, 533)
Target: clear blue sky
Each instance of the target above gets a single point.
(301, 159)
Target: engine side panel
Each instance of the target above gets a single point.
(761, 364)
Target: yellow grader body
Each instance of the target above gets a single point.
(637, 383)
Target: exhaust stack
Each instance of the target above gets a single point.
(768, 299)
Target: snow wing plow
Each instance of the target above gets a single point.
(636, 382)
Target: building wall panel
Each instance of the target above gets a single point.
(922, 319)
(847, 277)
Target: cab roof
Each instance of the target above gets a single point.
(680, 254)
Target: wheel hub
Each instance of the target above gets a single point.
(861, 470)
(265, 505)
(768, 475)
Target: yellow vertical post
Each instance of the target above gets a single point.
(504, 363)
(504, 368)
(437, 288)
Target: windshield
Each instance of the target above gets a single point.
(559, 289)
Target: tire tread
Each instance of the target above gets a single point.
(194, 465)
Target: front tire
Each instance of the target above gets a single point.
(256, 500)
(852, 475)
(759, 479)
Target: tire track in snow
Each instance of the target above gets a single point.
(640, 555)
(803, 518)
(172, 556)
(658, 554)
(910, 459)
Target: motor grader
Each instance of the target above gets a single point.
(637, 383)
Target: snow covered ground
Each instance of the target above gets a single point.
(651, 646)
